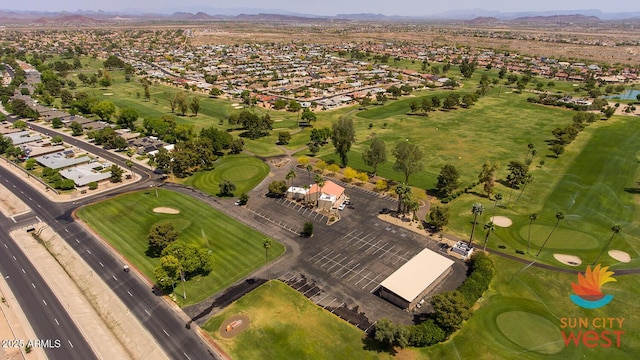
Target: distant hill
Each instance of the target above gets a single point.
(471, 16)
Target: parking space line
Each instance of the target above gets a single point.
(358, 273)
(364, 277)
(337, 263)
(372, 280)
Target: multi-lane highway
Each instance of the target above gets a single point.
(55, 331)
(164, 323)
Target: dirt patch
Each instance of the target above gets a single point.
(620, 255)
(405, 223)
(570, 260)
(166, 210)
(501, 221)
(234, 326)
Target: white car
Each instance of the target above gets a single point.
(342, 206)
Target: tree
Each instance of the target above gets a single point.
(559, 216)
(450, 310)
(127, 118)
(236, 146)
(497, 198)
(343, 136)
(104, 109)
(291, 175)
(308, 116)
(447, 180)
(476, 209)
(527, 180)
(215, 92)
(403, 191)
(56, 123)
(226, 188)
(557, 149)
(349, 174)
(319, 180)
(278, 188)
(284, 137)
(487, 177)
(615, 229)
(488, 227)
(116, 173)
(182, 103)
(408, 159)
(364, 102)
(57, 139)
(375, 154)
(307, 229)
(517, 175)
(194, 105)
(160, 237)
(439, 217)
(267, 245)
(533, 217)
(76, 128)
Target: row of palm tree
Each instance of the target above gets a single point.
(478, 208)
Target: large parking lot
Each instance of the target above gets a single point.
(343, 264)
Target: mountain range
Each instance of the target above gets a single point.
(251, 14)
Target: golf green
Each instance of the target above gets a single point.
(560, 239)
(530, 331)
(244, 171)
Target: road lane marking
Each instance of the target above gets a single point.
(30, 199)
(38, 219)
(114, 278)
(78, 241)
(147, 311)
(45, 303)
(70, 343)
(33, 285)
(5, 245)
(14, 220)
(101, 264)
(89, 251)
(14, 258)
(129, 292)
(56, 320)
(24, 272)
(67, 230)
(187, 356)
(165, 331)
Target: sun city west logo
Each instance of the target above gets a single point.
(592, 332)
(587, 291)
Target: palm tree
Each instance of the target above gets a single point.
(306, 194)
(402, 190)
(291, 175)
(309, 168)
(488, 227)
(319, 180)
(559, 216)
(533, 217)
(530, 147)
(476, 209)
(526, 181)
(498, 197)
(614, 230)
(267, 245)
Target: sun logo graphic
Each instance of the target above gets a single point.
(587, 293)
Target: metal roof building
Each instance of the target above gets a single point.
(413, 280)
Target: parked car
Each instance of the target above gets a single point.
(342, 206)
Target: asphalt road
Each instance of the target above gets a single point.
(48, 317)
(163, 322)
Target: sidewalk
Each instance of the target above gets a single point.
(104, 320)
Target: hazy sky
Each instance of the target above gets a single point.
(330, 7)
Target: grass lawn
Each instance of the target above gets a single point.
(594, 183)
(125, 221)
(520, 317)
(286, 325)
(243, 170)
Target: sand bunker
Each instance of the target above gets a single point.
(501, 221)
(234, 326)
(166, 210)
(620, 256)
(107, 94)
(570, 260)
